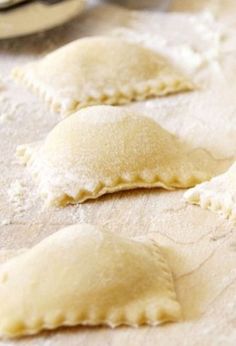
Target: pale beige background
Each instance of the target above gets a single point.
(201, 246)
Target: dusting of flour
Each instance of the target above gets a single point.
(201, 244)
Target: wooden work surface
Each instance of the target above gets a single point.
(201, 246)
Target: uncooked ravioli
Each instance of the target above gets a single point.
(101, 70)
(104, 149)
(218, 194)
(86, 275)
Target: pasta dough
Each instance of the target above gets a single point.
(104, 149)
(86, 275)
(99, 70)
(219, 194)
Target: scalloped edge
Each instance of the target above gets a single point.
(209, 200)
(145, 179)
(138, 92)
(145, 317)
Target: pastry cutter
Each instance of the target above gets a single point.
(24, 17)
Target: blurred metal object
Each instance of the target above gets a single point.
(161, 5)
(10, 4)
(37, 16)
(4, 4)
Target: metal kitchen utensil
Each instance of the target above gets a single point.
(9, 4)
(30, 16)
